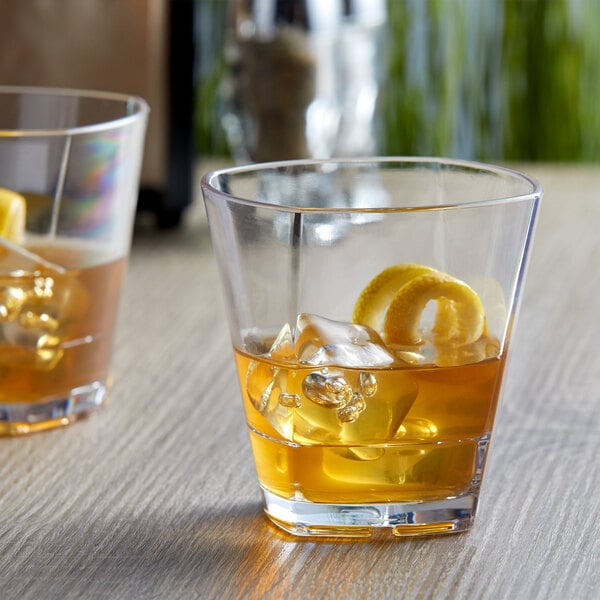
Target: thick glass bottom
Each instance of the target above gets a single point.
(18, 418)
(309, 519)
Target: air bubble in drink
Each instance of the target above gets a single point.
(368, 384)
(290, 400)
(348, 414)
(358, 402)
(327, 389)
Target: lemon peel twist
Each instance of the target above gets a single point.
(394, 300)
(12, 216)
(379, 292)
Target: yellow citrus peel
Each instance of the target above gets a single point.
(12, 216)
(394, 300)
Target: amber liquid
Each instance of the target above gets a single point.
(421, 435)
(60, 337)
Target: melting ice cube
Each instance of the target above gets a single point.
(321, 341)
(326, 403)
(39, 304)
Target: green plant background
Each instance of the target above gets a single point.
(479, 79)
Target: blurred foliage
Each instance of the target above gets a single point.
(210, 29)
(483, 79)
(552, 75)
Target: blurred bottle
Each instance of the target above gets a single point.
(302, 78)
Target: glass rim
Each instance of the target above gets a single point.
(139, 108)
(208, 179)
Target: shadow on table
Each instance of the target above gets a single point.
(158, 555)
(197, 553)
(229, 553)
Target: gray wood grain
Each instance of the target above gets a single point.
(155, 496)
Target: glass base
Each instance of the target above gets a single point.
(309, 519)
(18, 418)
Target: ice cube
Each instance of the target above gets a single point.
(275, 393)
(40, 304)
(260, 381)
(321, 342)
(352, 407)
(329, 404)
(282, 348)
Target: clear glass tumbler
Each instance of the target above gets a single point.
(69, 174)
(371, 342)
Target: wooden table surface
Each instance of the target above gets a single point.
(155, 496)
